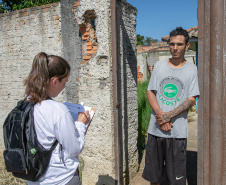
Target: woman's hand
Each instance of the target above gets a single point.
(84, 117)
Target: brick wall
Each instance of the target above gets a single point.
(23, 34)
(80, 31)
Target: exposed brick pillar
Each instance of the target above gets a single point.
(89, 39)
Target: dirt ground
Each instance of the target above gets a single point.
(191, 156)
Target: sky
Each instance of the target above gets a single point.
(157, 18)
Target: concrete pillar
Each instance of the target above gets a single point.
(108, 82)
(212, 102)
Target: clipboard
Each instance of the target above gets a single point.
(75, 109)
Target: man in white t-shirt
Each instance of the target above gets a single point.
(172, 90)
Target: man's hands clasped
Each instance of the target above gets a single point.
(163, 119)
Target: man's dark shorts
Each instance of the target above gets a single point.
(165, 158)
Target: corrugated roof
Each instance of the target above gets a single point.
(192, 32)
(154, 47)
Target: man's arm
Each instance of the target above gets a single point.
(165, 117)
(155, 107)
(153, 102)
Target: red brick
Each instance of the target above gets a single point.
(83, 30)
(88, 43)
(94, 49)
(25, 13)
(86, 33)
(90, 51)
(55, 4)
(86, 57)
(85, 61)
(47, 6)
(76, 4)
(89, 47)
(85, 37)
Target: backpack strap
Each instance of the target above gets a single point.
(61, 154)
(53, 146)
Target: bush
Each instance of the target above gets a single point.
(144, 113)
(12, 5)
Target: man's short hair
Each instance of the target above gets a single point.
(180, 31)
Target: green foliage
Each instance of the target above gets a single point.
(141, 40)
(1, 8)
(144, 113)
(193, 46)
(149, 40)
(12, 5)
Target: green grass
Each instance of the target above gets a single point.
(144, 113)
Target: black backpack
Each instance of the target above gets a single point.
(24, 155)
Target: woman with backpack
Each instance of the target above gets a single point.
(53, 121)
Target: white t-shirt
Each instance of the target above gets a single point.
(173, 86)
(53, 121)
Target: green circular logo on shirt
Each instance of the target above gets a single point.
(170, 90)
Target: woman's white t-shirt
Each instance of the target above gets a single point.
(54, 121)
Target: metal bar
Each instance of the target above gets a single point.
(212, 102)
(216, 59)
(201, 55)
(114, 32)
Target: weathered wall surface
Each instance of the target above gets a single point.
(71, 46)
(95, 87)
(128, 87)
(80, 31)
(23, 34)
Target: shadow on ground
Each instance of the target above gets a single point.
(105, 180)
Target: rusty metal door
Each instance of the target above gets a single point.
(212, 101)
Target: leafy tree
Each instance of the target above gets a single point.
(140, 39)
(149, 40)
(11, 5)
(1, 8)
(192, 46)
